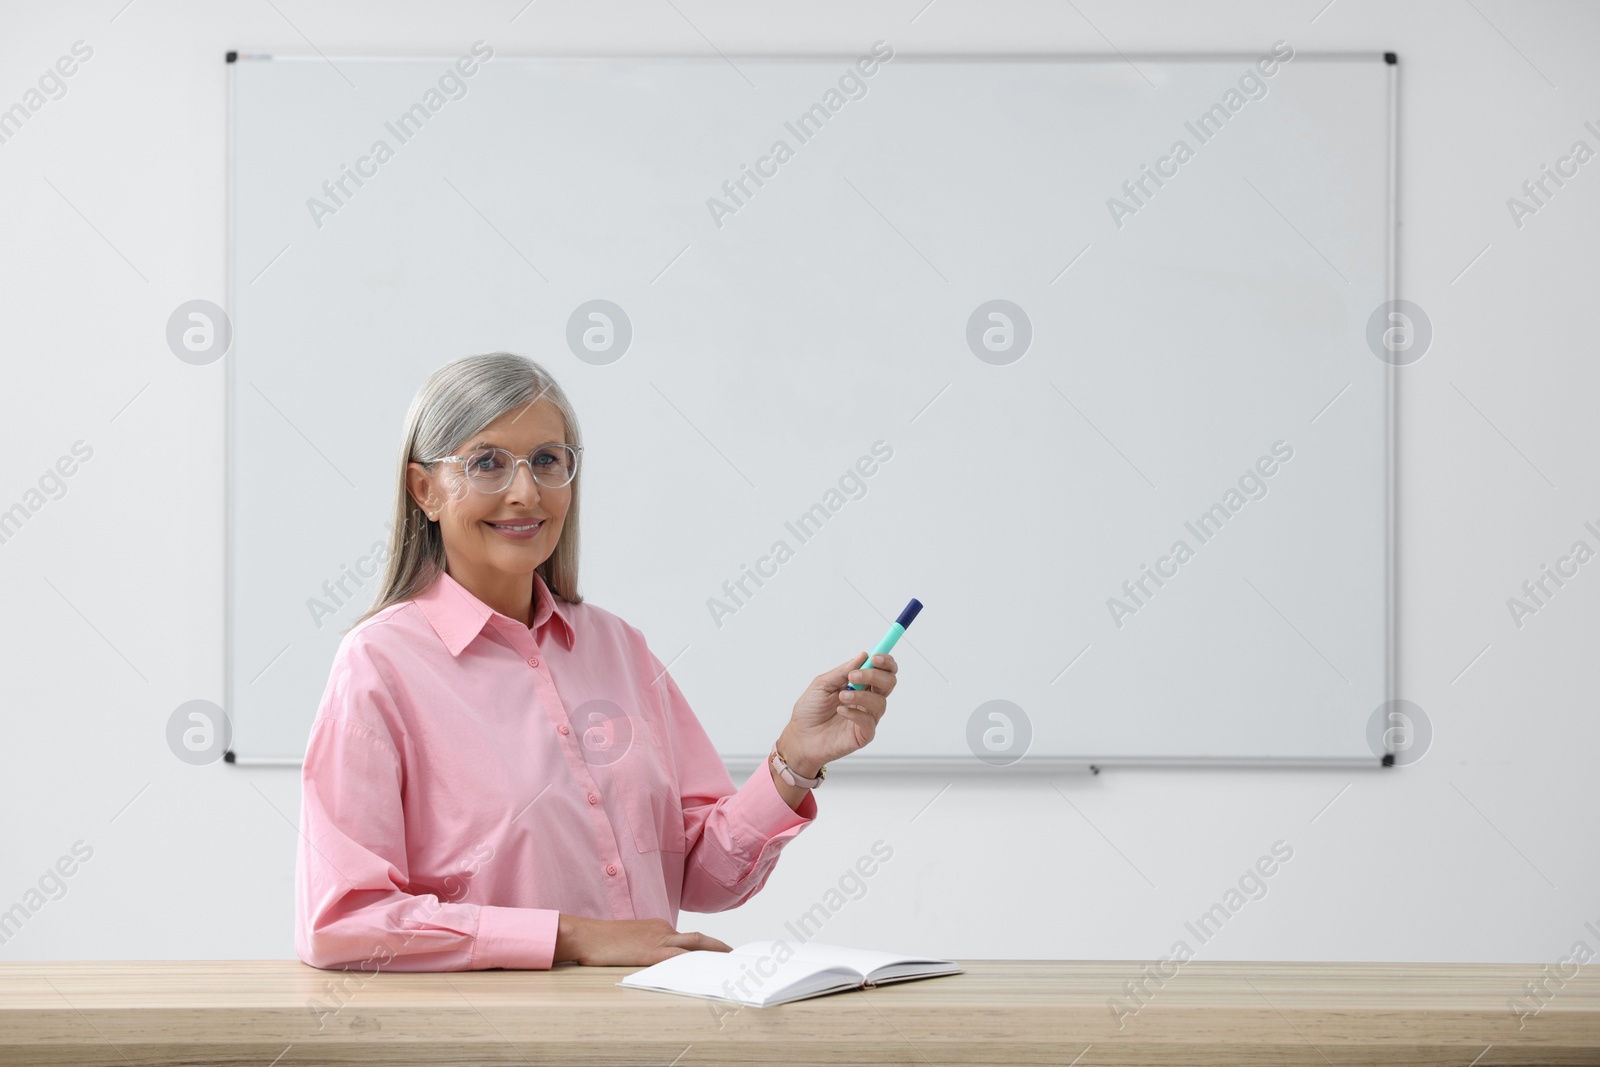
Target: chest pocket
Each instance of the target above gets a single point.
(649, 793)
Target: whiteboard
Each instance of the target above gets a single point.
(937, 284)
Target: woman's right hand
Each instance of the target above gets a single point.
(625, 942)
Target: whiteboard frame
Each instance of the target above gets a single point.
(950, 766)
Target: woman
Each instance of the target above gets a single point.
(501, 775)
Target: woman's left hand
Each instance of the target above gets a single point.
(831, 720)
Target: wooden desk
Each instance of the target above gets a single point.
(1000, 1012)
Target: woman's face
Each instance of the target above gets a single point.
(468, 518)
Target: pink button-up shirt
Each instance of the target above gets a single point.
(469, 778)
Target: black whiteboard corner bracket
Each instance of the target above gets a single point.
(1388, 758)
(228, 757)
(233, 57)
(1390, 58)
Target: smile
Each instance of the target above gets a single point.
(519, 531)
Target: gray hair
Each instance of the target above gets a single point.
(459, 400)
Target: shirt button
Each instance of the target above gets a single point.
(533, 661)
(611, 868)
(593, 799)
(564, 729)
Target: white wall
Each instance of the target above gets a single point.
(1483, 850)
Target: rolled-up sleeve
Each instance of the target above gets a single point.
(354, 907)
(733, 837)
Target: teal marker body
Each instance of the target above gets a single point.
(896, 628)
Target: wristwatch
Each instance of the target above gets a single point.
(788, 774)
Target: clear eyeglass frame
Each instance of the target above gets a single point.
(511, 465)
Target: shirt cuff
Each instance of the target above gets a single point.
(515, 938)
(765, 811)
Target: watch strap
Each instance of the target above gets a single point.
(790, 775)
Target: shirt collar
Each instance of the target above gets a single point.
(457, 616)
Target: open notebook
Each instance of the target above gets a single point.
(763, 974)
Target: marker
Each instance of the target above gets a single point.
(896, 628)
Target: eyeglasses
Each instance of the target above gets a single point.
(490, 470)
